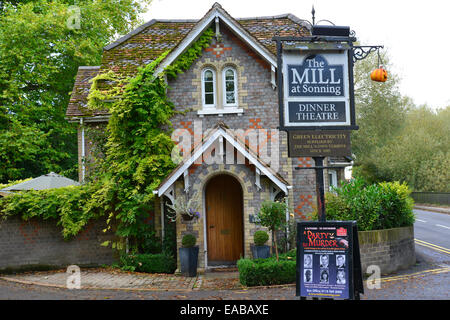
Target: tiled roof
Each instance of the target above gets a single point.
(264, 28)
(78, 99)
(147, 42)
(145, 46)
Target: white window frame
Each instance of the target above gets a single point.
(224, 88)
(209, 106)
(333, 181)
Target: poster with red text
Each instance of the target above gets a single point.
(324, 259)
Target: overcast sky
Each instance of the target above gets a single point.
(414, 32)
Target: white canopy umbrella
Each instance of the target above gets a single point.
(47, 181)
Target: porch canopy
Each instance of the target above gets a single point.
(220, 132)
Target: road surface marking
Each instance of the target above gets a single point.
(432, 246)
(440, 225)
(420, 220)
(416, 274)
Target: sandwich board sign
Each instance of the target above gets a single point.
(328, 261)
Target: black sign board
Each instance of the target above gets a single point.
(317, 89)
(320, 143)
(314, 77)
(328, 262)
(315, 84)
(312, 112)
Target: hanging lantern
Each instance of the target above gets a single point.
(379, 75)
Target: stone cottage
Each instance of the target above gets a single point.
(238, 158)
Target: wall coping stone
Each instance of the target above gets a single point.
(385, 235)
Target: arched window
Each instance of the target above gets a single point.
(209, 88)
(229, 87)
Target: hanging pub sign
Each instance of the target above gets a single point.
(328, 261)
(315, 86)
(316, 90)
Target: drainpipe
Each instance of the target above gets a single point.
(83, 152)
(287, 212)
(162, 218)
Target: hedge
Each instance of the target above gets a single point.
(374, 206)
(262, 272)
(150, 263)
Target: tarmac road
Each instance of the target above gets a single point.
(432, 234)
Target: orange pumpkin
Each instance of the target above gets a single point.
(379, 75)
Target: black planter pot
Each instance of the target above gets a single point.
(261, 252)
(188, 261)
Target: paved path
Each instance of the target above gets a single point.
(107, 278)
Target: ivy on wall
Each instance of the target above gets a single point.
(137, 155)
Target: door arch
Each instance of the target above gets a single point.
(224, 220)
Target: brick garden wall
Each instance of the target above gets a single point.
(40, 243)
(390, 249)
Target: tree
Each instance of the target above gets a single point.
(40, 51)
(420, 153)
(398, 141)
(380, 115)
(272, 215)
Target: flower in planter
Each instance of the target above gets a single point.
(194, 214)
(183, 209)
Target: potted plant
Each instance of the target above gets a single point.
(272, 215)
(188, 255)
(260, 250)
(183, 209)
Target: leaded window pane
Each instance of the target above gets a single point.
(230, 86)
(229, 75)
(230, 97)
(208, 76)
(209, 98)
(209, 87)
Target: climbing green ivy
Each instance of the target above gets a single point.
(137, 155)
(185, 61)
(139, 147)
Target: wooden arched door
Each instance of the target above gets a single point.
(224, 220)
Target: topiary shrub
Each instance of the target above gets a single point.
(188, 241)
(260, 237)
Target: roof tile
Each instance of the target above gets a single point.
(157, 36)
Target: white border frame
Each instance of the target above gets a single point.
(333, 174)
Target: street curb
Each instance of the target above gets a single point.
(433, 209)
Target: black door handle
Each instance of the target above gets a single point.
(211, 227)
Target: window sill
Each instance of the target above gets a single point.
(220, 112)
